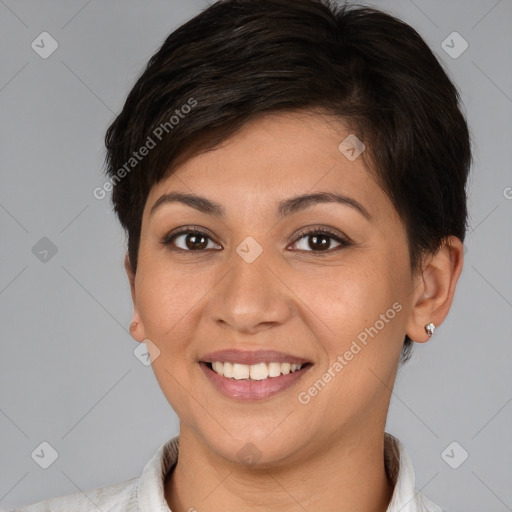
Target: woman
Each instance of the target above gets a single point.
(291, 177)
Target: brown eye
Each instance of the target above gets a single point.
(194, 241)
(190, 240)
(319, 240)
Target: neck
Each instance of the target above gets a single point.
(348, 475)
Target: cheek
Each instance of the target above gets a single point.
(360, 320)
(168, 292)
(170, 300)
(349, 297)
(360, 316)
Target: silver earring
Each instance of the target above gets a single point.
(430, 328)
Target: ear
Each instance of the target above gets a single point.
(136, 326)
(435, 288)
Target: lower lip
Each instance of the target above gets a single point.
(249, 390)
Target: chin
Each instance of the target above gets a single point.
(256, 448)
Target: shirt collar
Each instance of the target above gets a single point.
(150, 487)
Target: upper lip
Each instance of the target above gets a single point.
(252, 357)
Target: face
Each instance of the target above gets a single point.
(272, 279)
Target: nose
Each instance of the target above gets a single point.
(251, 296)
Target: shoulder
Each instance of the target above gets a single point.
(423, 504)
(113, 498)
(144, 492)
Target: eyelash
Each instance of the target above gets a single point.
(344, 242)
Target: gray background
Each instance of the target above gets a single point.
(68, 372)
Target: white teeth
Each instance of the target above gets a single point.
(274, 369)
(240, 371)
(218, 367)
(227, 370)
(259, 371)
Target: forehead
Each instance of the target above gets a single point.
(276, 156)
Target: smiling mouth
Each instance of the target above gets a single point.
(254, 372)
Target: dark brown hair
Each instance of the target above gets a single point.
(242, 58)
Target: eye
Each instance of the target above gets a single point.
(190, 239)
(319, 240)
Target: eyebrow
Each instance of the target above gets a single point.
(286, 207)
